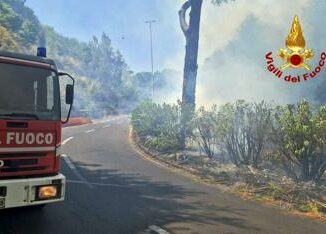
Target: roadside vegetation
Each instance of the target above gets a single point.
(158, 126)
(105, 83)
(259, 150)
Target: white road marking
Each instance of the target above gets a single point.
(68, 161)
(117, 118)
(157, 229)
(90, 131)
(107, 126)
(67, 140)
(74, 169)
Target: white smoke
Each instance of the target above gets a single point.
(234, 40)
(221, 24)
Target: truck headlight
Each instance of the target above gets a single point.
(47, 192)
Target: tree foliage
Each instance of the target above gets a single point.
(97, 62)
(7, 41)
(20, 21)
(94, 64)
(218, 2)
(300, 136)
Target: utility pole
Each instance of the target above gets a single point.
(150, 22)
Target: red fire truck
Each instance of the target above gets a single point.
(30, 129)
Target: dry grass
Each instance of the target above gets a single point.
(295, 199)
(268, 187)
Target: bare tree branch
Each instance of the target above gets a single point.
(182, 17)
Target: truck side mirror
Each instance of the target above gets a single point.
(69, 94)
(69, 97)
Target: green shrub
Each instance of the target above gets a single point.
(158, 126)
(203, 128)
(242, 130)
(299, 133)
(295, 134)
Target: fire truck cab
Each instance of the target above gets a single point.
(30, 129)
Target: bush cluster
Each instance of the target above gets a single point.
(158, 126)
(293, 135)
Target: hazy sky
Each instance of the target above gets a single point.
(234, 40)
(119, 19)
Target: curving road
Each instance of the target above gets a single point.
(112, 189)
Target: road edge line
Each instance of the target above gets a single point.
(173, 168)
(72, 166)
(157, 229)
(67, 140)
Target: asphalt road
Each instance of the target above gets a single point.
(112, 189)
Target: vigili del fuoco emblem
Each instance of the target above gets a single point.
(296, 53)
(295, 56)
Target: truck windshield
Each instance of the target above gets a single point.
(28, 93)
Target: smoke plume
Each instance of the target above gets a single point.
(234, 40)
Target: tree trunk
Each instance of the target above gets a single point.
(191, 33)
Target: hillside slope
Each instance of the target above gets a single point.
(102, 74)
